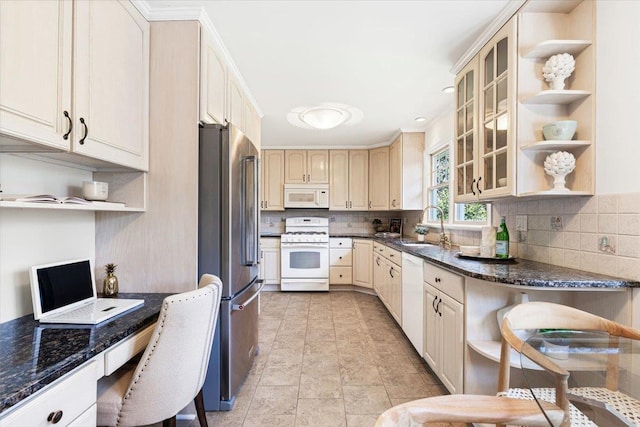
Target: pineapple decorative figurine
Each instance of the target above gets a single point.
(110, 283)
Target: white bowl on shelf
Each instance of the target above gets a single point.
(562, 130)
(95, 190)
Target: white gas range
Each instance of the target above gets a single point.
(304, 250)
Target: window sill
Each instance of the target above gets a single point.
(469, 227)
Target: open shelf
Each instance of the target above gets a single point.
(556, 97)
(491, 350)
(548, 48)
(116, 207)
(553, 145)
(554, 193)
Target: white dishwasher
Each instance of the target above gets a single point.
(412, 300)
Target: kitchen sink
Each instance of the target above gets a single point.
(415, 243)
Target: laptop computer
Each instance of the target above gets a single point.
(65, 292)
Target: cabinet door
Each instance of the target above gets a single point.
(358, 180)
(271, 266)
(379, 273)
(35, 65)
(318, 166)
(379, 179)
(339, 180)
(363, 263)
(213, 80)
(111, 83)
(295, 166)
(431, 327)
(452, 344)
(395, 292)
(273, 169)
(236, 104)
(497, 95)
(395, 174)
(466, 134)
(252, 123)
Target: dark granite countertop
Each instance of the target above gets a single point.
(34, 355)
(520, 272)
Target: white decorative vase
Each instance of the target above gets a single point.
(420, 237)
(559, 165)
(557, 83)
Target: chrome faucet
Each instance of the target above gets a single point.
(444, 240)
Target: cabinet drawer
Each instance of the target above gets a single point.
(87, 419)
(340, 242)
(119, 354)
(73, 395)
(270, 242)
(340, 257)
(379, 249)
(340, 275)
(393, 255)
(449, 283)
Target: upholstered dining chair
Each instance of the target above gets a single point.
(516, 406)
(172, 369)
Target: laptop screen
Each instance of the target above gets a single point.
(62, 285)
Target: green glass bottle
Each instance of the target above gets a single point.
(502, 240)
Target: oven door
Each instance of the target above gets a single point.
(304, 260)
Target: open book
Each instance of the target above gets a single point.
(47, 198)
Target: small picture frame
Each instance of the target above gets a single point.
(395, 225)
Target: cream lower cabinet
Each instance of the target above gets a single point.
(363, 263)
(270, 260)
(387, 278)
(379, 180)
(348, 180)
(72, 398)
(106, 114)
(272, 182)
(340, 261)
(444, 326)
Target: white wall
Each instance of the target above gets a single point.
(617, 96)
(38, 236)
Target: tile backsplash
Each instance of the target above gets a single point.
(599, 234)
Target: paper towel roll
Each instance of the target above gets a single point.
(488, 242)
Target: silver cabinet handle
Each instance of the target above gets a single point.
(369, 204)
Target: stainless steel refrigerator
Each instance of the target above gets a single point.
(228, 247)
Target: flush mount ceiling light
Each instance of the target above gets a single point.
(420, 119)
(448, 89)
(326, 115)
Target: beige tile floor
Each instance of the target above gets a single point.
(327, 359)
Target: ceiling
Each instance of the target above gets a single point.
(390, 59)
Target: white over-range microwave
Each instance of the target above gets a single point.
(306, 195)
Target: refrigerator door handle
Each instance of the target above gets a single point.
(237, 307)
(250, 210)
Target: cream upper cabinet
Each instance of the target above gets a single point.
(236, 104)
(496, 119)
(363, 262)
(306, 167)
(379, 181)
(213, 80)
(111, 83)
(252, 123)
(36, 70)
(466, 133)
(405, 171)
(348, 179)
(108, 116)
(272, 182)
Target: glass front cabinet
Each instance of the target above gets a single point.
(484, 129)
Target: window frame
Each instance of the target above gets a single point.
(454, 209)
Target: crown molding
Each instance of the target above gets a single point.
(505, 14)
(196, 14)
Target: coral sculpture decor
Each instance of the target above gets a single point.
(557, 69)
(559, 165)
